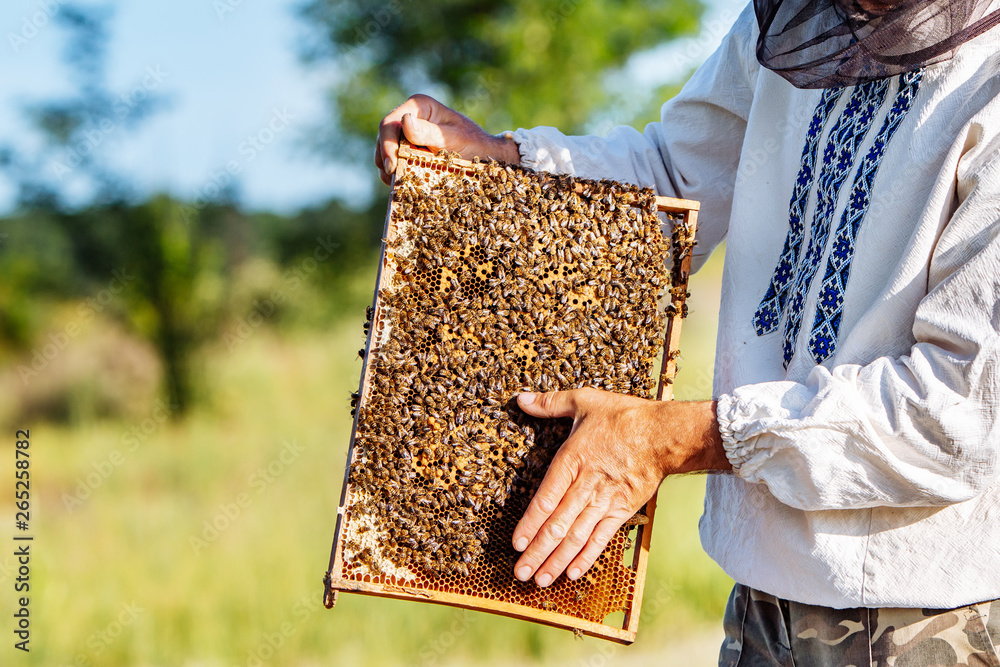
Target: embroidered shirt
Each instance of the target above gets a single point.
(858, 359)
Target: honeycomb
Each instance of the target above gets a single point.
(496, 280)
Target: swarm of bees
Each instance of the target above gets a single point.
(496, 282)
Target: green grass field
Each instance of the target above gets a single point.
(204, 542)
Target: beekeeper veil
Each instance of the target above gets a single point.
(830, 43)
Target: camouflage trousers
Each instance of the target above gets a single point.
(764, 630)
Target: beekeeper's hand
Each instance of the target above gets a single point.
(426, 122)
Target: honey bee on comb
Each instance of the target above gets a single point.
(497, 280)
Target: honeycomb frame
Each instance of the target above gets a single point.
(523, 600)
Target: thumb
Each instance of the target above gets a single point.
(421, 132)
(548, 404)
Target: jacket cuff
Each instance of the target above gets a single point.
(734, 425)
(541, 152)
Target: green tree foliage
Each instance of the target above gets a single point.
(177, 264)
(503, 63)
(179, 276)
(76, 128)
(204, 273)
(110, 233)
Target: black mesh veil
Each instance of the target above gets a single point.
(829, 43)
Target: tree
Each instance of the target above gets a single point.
(78, 128)
(109, 234)
(176, 267)
(502, 63)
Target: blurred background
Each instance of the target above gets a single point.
(189, 227)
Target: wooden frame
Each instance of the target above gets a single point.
(681, 243)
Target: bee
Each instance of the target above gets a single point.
(488, 304)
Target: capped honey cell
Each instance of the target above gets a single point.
(497, 280)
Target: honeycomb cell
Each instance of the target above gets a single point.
(497, 281)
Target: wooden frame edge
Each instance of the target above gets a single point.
(507, 609)
(627, 634)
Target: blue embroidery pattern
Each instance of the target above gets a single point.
(765, 320)
(838, 159)
(830, 304)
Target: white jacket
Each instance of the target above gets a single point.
(866, 469)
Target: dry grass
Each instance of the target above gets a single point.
(117, 579)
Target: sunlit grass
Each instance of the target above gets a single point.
(125, 571)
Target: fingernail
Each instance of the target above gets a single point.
(574, 573)
(526, 399)
(524, 573)
(544, 579)
(388, 166)
(521, 544)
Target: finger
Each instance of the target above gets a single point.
(573, 544)
(389, 132)
(380, 163)
(554, 533)
(388, 146)
(390, 129)
(599, 539)
(550, 404)
(420, 132)
(557, 481)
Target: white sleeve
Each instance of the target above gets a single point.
(918, 430)
(692, 153)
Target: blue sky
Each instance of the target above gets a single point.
(237, 94)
